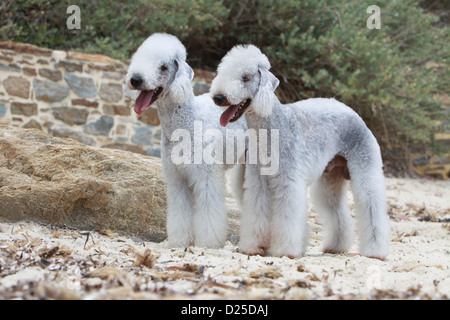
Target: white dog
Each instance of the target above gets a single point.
(321, 142)
(196, 211)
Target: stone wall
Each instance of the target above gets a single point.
(79, 96)
(429, 163)
(84, 97)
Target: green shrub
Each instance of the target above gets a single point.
(318, 48)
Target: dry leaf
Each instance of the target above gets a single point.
(402, 235)
(104, 273)
(48, 253)
(313, 277)
(301, 268)
(145, 258)
(56, 293)
(57, 234)
(109, 233)
(268, 273)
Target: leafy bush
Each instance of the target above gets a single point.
(318, 48)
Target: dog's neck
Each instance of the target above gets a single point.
(175, 116)
(256, 121)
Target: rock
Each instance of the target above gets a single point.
(3, 109)
(64, 132)
(84, 87)
(421, 160)
(11, 68)
(101, 127)
(49, 91)
(42, 61)
(444, 144)
(84, 102)
(70, 66)
(200, 88)
(157, 134)
(121, 130)
(113, 75)
(154, 152)
(63, 182)
(150, 116)
(32, 124)
(71, 115)
(17, 86)
(125, 147)
(29, 71)
(26, 109)
(111, 92)
(442, 160)
(142, 135)
(112, 110)
(54, 75)
(25, 48)
(72, 55)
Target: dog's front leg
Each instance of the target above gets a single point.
(255, 220)
(209, 217)
(289, 228)
(179, 213)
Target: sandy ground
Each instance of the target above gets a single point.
(39, 261)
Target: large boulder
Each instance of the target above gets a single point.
(64, 182)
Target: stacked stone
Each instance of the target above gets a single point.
(78, 96)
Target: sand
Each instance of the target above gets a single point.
(40, 261)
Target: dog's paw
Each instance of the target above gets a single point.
(291, 254)
(377, 253)
(261, 250)
(334, 251)
(179, 242)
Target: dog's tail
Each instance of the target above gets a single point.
(369, 194)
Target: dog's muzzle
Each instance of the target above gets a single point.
(221, 100)
(136, 81)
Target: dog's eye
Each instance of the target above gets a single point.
(164, 68)
(245, 78)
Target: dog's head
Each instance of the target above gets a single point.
(244, 83)
(159, 68)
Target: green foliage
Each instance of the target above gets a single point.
(318, 48)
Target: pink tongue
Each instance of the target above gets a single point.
(143, 101)
(228, 114)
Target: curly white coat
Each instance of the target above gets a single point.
(311, 133)
(196, 213)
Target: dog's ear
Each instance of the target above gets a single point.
(263, 99)
(268, 79)
(184, 70)
(181, 87)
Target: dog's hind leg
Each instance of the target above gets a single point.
(210, 219)
(328, 195)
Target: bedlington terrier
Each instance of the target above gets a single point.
(196, 213)
(321, 142)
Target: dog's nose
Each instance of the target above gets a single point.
(136, 81)
(219, 99)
